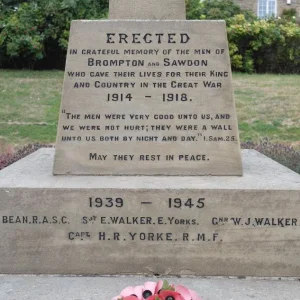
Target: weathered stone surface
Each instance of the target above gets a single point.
(166, 110)
(196, 225)
(147, 10)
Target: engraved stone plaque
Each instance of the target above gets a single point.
(167, 225)
(148, 98)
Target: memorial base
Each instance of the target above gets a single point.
(231, 226)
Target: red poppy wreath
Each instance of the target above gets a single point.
(161, 290)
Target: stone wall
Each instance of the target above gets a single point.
(247, 4)
(281, 5)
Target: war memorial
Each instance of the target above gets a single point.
(147, 177)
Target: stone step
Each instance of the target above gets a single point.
(104, 288)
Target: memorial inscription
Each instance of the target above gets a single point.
(184, 218)
(146, 98)
(160, 225)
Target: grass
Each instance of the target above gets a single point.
(29, 104)
(267, 106)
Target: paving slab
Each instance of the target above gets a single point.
(104, 288)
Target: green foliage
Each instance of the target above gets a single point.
(211, 9)
(35, 33)
(264, 45)
(12, 2)
(39, 30)
(289, 14)
(193, 9)
(59, 15)
(20, 38)
(254, 45)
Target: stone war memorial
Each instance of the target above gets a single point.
(147, 176)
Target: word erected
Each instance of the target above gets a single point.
(148, 38)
